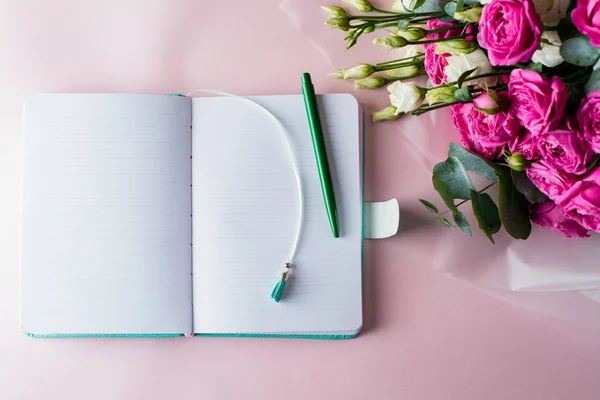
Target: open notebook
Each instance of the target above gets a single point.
(155, 215)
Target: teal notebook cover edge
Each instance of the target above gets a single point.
(247, 335)
(103, 335)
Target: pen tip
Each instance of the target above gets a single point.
(306, 78)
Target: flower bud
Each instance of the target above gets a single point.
(360, 5)
(391, 42)
(342, 23)
(517, 162)
(335, 11)
(455, 47)
(404, 72)
(471, 15)
(372, 82)
(490, 103)
(360, 71)
(337, 74)
(387, 114)
(442, 94)
(412, 34)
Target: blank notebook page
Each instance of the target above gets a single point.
(245, 211)
(106, 214)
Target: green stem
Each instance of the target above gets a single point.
(398, 60)
(438, 40)
(393, 24)
(421, 111)
(400, 78)
(380, 18)
(399, 65)
(447, 28)
(497, 88)
(464, 201)
(469, 78)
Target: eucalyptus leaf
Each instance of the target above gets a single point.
(445, 193)
(486, 212)
(454, 174)
(579, 51)
(513, 208)
(593, 83)
(535, 66)
(403, 24)
(473, 162)
(463, 95)
(462, 223)
(450, 9)
(445, 222)
(460, 5)
(429, 206)
(414, 4)
(529, 190)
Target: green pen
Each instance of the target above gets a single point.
(314, 122)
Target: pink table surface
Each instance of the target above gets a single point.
(426, 336)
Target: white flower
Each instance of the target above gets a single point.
(403, 6)
(406, 96)
(551, 11)
(414, 50)
(464, 62)
(549, 53)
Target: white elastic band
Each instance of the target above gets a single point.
(292, 154)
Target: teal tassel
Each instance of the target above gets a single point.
(278, 290)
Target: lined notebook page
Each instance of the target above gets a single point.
(245, 212)
(106, 214)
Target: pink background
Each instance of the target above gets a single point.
(426, 336)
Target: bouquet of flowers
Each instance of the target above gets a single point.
(522, 79)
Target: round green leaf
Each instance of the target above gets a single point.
(473, 162)
(525, 186)
(445, 193)
(486, 212)
(513, 208)
(454, 174)
(593, 83)
(579, 51)
(463, 95)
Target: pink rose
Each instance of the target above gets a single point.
(589, 119)
(586, 17)
(510, 30)
(525, 144)
(435, 63)
(564, 150)
(582, 201)
(537, 101)
(484, 133)
(551, 182)
(550, 215)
